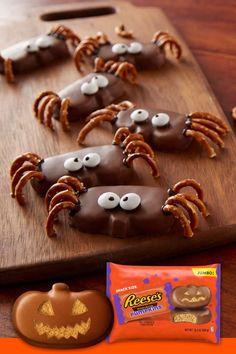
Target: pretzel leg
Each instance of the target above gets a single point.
(151, 162)
(139, 146)
(182, 201)
(63, 196)
(211, 134)
(65, 103)
(93, 123)
(8, 70)
(20, 160)
(210, 117)
(201, 140)
(53, 214)
(53, 190)
(188, 182)
(179, 215)
(22, 182)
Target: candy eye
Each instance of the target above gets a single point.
(108, 200)
(139, 115)
(130, 201)
(73, 164)
(43, 42)
(160, 120)
(32, 47)
(119, 48)
(91, 160)
(135, 48)
(78, 308)
(89, 88)
(101, 80)
(46, 309)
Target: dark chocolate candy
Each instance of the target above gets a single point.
(198, 317)
(61, 318)
(190, 296)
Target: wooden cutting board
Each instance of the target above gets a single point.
(26, 253)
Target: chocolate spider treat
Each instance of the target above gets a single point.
(61, 318)
(162, 129)
(123, 211)
(85, 95)
(101, 165)
(38, 52)
(147, 302)
(143, 55)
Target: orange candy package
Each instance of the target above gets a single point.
(150, 302)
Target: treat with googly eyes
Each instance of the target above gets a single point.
(127, 210)
(145, 56)
(164, 130)
(79, 99)
(98, 165)
(38, 52)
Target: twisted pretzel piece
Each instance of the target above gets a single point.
(102, 115)
(88, 47)
(23, 168)
(62, 195)
(121, 31)
(44, 107)
(164, 39)
(125, 70)
(61, 30)
(178, 202)
(202, 126)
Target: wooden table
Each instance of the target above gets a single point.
(210, 31)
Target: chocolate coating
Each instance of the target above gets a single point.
(190, 296)
(61, 318)
(82, 105)
(200, 316)
(148, 218)
(166, 138)
(24, 60)
(151, 56)
(111, 169)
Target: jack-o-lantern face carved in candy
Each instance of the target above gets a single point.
(190, 296)
(61, 318)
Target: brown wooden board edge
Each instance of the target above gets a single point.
(77, 265)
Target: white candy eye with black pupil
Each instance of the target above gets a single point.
(108, 200)
(119, 48)
(130, 201)
(101, 81)
(160, 120)
(73, 164)
(32, 47)
(91, 160)
(139, 115)
(135, 48)
(44, 42)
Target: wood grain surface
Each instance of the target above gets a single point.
(198, 259)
